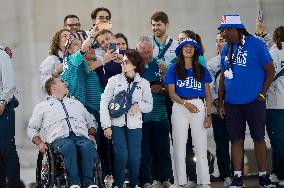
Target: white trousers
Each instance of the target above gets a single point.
(181, 120)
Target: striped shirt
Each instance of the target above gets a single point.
(75, 71)
(94, 91)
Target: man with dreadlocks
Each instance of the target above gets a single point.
(247, 72)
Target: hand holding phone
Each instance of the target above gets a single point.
(260, 16)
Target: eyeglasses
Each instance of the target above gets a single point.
(106, 18)
(74, 25)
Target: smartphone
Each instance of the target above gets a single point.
(107, 26)
(260, 16)
(112, 46)
(120, 51)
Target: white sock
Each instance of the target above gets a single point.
(239, 173)
(262, 173)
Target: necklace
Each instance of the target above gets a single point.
(233, 57)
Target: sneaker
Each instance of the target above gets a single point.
(156, 184)
(147, 185)
(166, 184)
(175, 186)
(281, 183)
(75, 186)
(108, 181)
(203, 186)
(265, 182)
(93, 186)
(190, 184)
(237, 182)
(227, 182)
(274, 178)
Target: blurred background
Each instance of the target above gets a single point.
(28, 25)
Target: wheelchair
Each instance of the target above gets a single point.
(51, 171)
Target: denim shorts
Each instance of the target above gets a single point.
(238, 115)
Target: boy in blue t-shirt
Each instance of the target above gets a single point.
(247, 72)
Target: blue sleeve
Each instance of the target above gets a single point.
(207, 77)
(77, 58)
(170, 76)
(263, 53)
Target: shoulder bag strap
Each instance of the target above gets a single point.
(162, 53)
(281, 73)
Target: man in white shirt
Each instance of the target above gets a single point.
(69, 128)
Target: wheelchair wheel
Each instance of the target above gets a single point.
(45, 170)
(50, 171)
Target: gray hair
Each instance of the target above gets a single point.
(143, 39)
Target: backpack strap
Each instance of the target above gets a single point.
(217, 74)
(59, 58)
(132, 88)
(281, 73)
(162, 53)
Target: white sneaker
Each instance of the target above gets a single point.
(175, 186)
(166, 184)
(93, 186)
(156, 184)
(75, 186)
(147, 185)
(203, 186)
(273, 178)
(227, 182)
(281, 183)
(190, 184)
(108, 181)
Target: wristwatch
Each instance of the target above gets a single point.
(3, 103)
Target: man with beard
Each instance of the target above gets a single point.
(164, 45)
(242, 96)
(164, 50)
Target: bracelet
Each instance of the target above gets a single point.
(261, 34)
(183, 103)
(262, 96)
(3, 102)
(208, 115)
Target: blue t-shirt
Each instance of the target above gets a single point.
(248, 71)
(189, 87)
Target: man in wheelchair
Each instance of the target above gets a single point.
(69, 128)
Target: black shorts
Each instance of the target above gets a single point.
(237, 115)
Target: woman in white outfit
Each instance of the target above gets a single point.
(188, 85)
(52, 64)
(126, 130)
